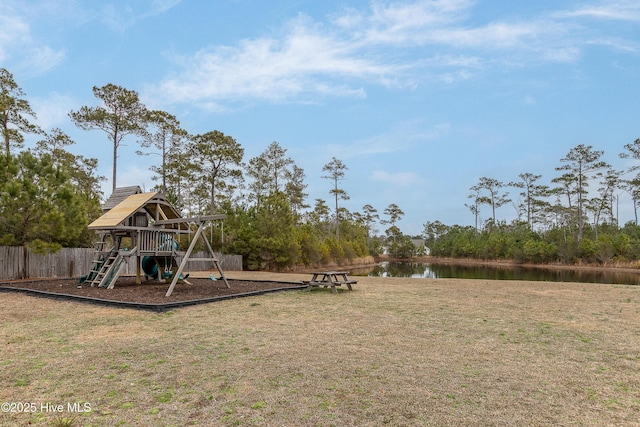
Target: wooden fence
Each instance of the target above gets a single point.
(75, 262)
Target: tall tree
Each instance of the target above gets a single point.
(478, 199)
(122, 114)
(13, 111)
(269, 171)
(179, 175)
(632, 150)
(368, 218)
(278, 165)
(433, 231)
(163, 132)
(583, 163)
(319, 216)
(495, 199)
(533, 195)
(214, 155)
(567, 184)
(294, 189)
(276, 242)
(38, 203)
(394, 213)
(632, 186)
(336, 170)
(258, 170)
(611, 181)
(82, 171)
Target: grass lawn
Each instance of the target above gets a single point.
(398, 352)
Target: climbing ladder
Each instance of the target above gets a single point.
(103, 267)
(113, 273)
(107, 264)
(98, 261)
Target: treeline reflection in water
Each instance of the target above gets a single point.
(434, 270)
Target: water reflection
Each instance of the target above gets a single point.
(434, 270)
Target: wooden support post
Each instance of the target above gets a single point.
(184, 260)
(138, 259)
(138, 269)
(215, 261)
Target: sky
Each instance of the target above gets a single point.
(418, 98)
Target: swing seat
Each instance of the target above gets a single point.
(212, 277)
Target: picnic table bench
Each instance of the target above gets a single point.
(330, 278)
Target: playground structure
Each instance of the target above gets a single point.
(152, 226)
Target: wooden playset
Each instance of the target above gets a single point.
(151, 227)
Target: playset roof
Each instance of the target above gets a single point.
(119, 215)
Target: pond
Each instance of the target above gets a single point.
(435, 270)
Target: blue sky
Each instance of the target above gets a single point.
(418, 98)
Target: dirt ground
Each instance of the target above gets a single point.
(152, 292)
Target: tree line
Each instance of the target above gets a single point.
(48, 195)
(573, 220)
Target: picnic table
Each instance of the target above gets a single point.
(330, 278)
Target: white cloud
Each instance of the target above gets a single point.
(630, 46)
(335, 58)
(305, 61)
(402, 137)
(120, 18)
(628, 10)
(117, 18)
(20, 47)
(495, 35)
(12, 29)
(159, 7)
(379, 144)
(347, 53)
(402, 179)
(399, 23)
(40, 59)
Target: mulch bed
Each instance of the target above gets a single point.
(148, 295)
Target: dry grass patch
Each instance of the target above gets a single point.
(393, 352)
